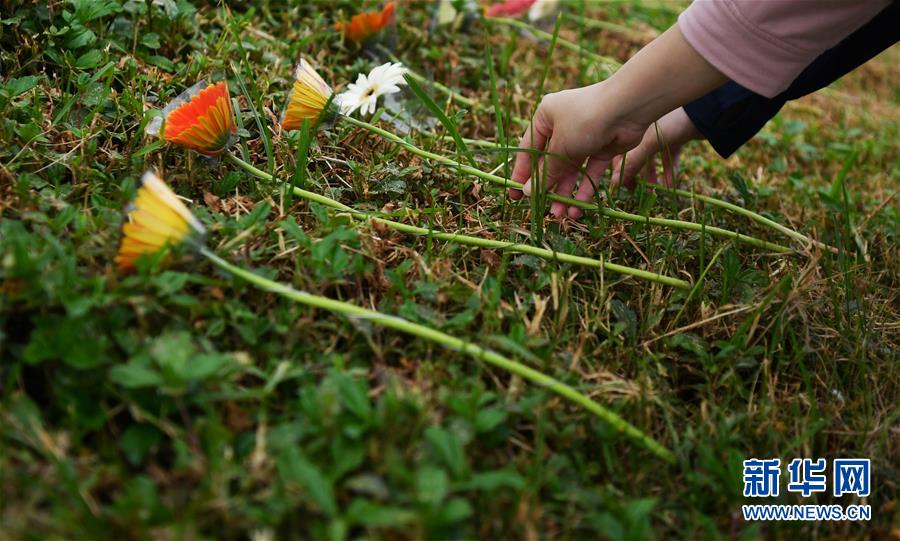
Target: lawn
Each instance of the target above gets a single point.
(180, 401)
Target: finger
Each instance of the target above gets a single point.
(670, 167)
(535, 139)
(590, 183)
(564, 186)
(526, 188)
(650, 171)
(616, 167)
(515, 194)
(556, 167)
(635, 160)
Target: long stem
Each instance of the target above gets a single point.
(449, 342)
(622, 215)
(758, 218)
(458, 238)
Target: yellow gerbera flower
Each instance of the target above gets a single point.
(308, 98)
(156, 219)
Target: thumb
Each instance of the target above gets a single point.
(555, 166)
(532, 143)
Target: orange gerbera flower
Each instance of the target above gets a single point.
(200, 119)
(308, 98)
(156, 219)
(365, 25)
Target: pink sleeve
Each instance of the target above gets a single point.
(764, 44)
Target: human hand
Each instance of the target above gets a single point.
(571, 127)
(593, 124)
(666, 137)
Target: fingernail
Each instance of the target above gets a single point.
(526, 189)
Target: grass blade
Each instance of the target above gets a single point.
(298, 179)
(448, 124)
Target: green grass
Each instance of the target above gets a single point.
(182, 403)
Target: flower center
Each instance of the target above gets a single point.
(370, 91)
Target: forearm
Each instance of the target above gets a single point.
(661, 77)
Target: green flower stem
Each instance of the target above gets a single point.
(489, 243)
(618, 214)
(608, 63)
(471, 240)
(480, 143)
(452, 343)
(758, 218)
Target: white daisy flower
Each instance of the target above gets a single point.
(542, 9)
(364, 93)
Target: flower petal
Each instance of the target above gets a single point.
(156, 218)
(204, 121)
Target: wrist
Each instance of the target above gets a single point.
(660, 78)
(623, 101)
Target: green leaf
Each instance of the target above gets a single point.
(203, 366)
(626, 319)
(135, 376)
(31, 132)
(367, 513)
(431, 485)
(493, 480)
(293, 467)
(455, 510)
(88, 10)
(161, 62)
(740, 184)
(292, 229)
(137, 441)
(257, 215)
(71, 340)
(150, 40)
(446, 449)
(78, 36)
(354, 396)
(172, 351)
(368, 484)
(390, 185)
(15, 87)
(150, 147)
(488, 419)
(90, 59)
